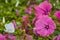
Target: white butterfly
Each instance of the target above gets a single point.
(9, 28)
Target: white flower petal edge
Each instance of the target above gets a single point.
(17, 3)
(3, 20)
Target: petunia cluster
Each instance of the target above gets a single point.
(33, 21)
(44, 25)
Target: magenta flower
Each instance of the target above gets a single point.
(28, 3)
(56, 37)
(27, 37)
(43, 8)
(28, 10)
(33, 21)
(14, 23)
(21, 27)
(46, 7)
(11, 37)
(25, 22)
(2, 37)
(57, 15)
(17, 14)
(38, 11)
(44, 26)
(24, 18)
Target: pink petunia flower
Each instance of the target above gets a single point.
(44, 26)
(14, 23)
(38, 11)
(33, 21)
(11, 37)
(17, 14)
(21, 27)
(25, 22)
(27, 37)
(2, 37)
(24, 18)
(56, 37)
(57, 15)
(28, 10)
(44, 8)
(28, 3)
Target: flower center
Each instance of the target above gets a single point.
(47, 27)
